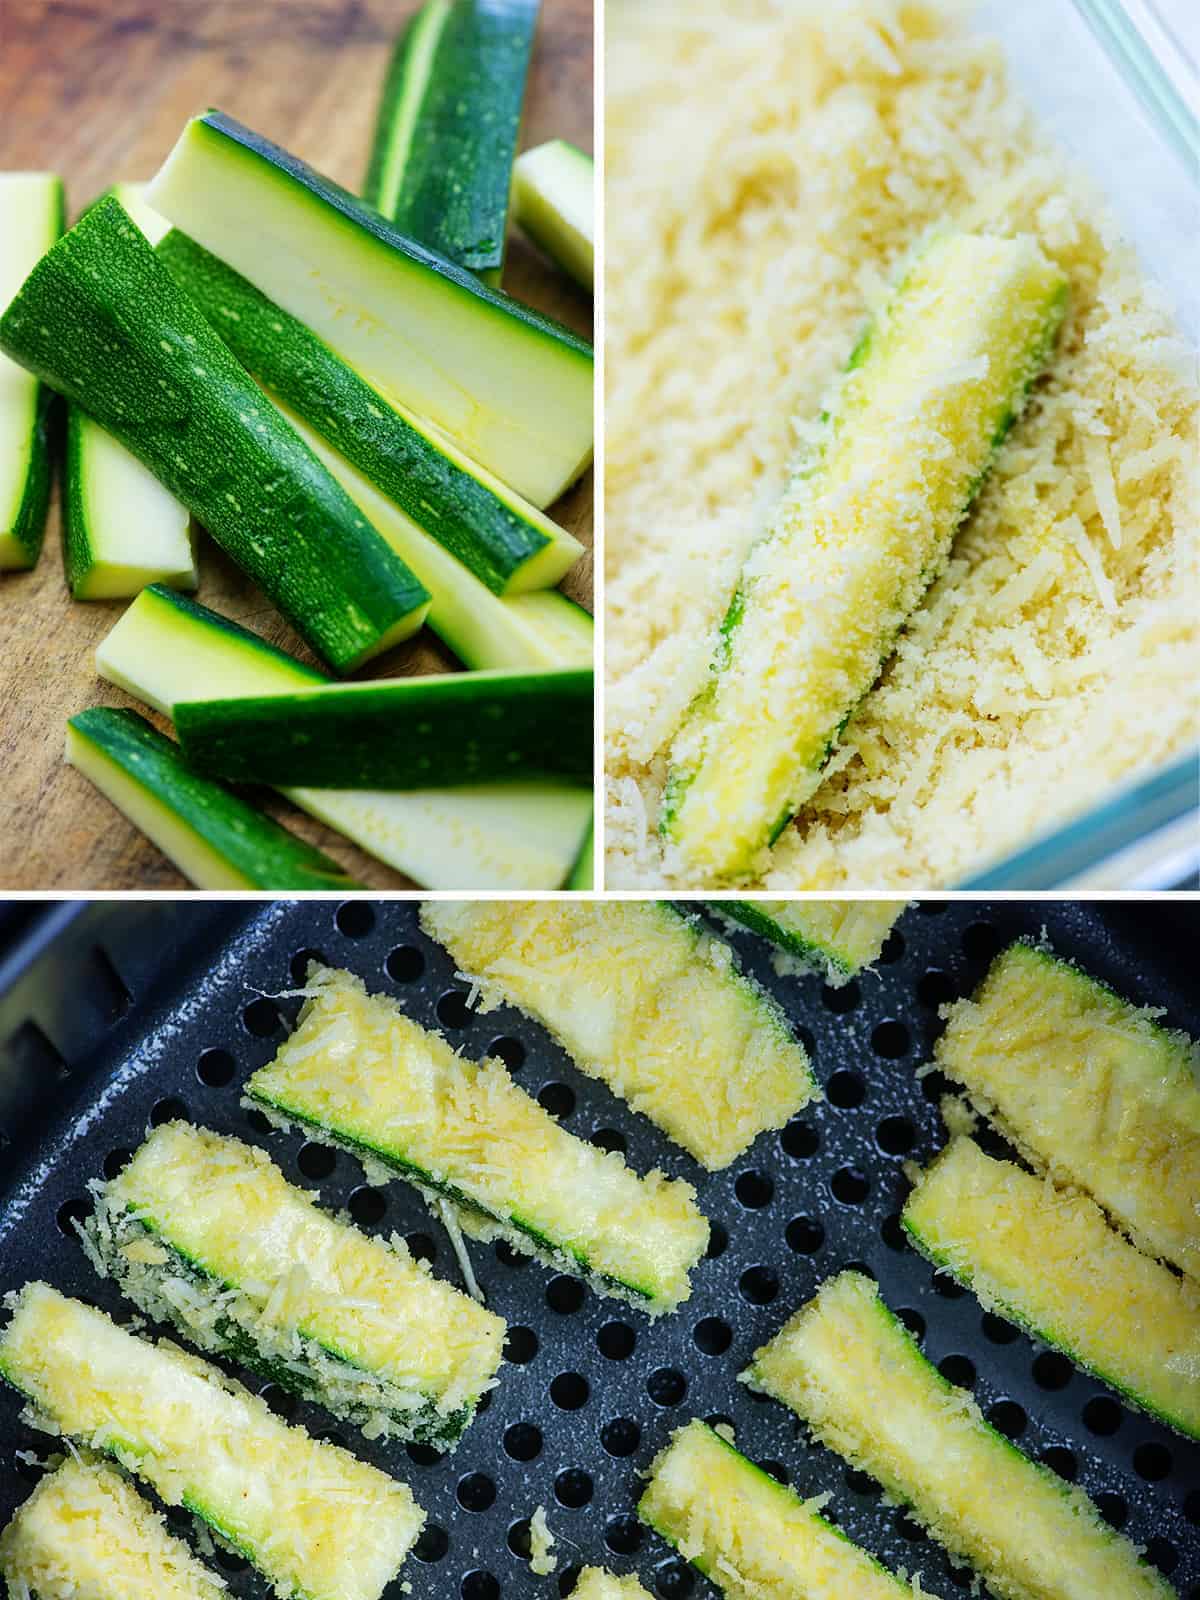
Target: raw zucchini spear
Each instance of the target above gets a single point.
(398, 733)
(1091, 1089)
(507, 543)
(852, 1371)
(835, 938)
(863, 529)
(211, 834)
(480, 836)
(442, 162)
(1049, 1261)
(102, 320)
(31, 219)
(644, 999)
(510, 387)
(317, 1523)
(206, 1233)
(753, 1537)
(596, 1584)
(542, 629)
(554, 203)
(86, 1534)
(369, 1079)
(121, 528)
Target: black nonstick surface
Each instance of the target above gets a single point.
(120, 1016)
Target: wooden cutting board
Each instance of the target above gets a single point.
(98, 90)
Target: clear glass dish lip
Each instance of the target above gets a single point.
(1169, 91)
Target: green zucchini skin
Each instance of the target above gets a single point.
(257, 849)
(407, 733)
(495, 535)
(102, 320)
(441, 163)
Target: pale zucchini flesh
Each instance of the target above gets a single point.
(646, 1000)
(215, 838)
(316, 1522)
(477, 836)
(86, 1534)
(367, 1077)
(1048, 1260)
(836, 938)
(508, 544)
(205, 1232)
(1091, 1089)
(753, 1537)
(583, 873)
(122, 529)
(854, 1374)
(554, 203)
(511, 388)
(31, 219)
(596, 1584)
(863, 528)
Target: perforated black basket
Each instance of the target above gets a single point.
(115, 1016)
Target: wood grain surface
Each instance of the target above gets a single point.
(98, 90)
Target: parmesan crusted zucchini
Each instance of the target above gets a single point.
(863, 529)
(836, 938)
(1049, 1260)
(596, 1584)
(205, 1232)
(753, 1537)
(317, 1523)
(368, 1078)
(852, 1371)
(1091, 1089)
(85, 1534)
(647, 1001)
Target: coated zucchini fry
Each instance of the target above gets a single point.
(836, 938)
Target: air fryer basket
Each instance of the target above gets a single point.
(131, 1014)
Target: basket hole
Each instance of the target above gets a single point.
(892, 1232)
(229, 1560)
(804, 1235)
(621, 1437)
(673, 1579)
(846, 1089)
(1161, 1553)
(116, 1161)
(258, 1120)
(557, 1098)
(316, 1160)
(519, 1541)
(1061, 1460)
(404, 964)
(1102, 1416)
(958, 1370)
(935, 1086)
(893, 949)
(776, 1470)
(843, 1000)
(895, 1136)
(947, 1287)
(479, 1585)
(354, 918)
(520, 1346)
(509, 1050)
(909, 1530)
(573, 1488)
(890, 1039)
(299, 964)
(759, 1285)
(996, 1330)
(1152, 1462)
(712, 1336)
(610, 1141)
(423, 1455)
(476, 1492)
(367, 1206)
(570, 1391)
(1112, 1508)
(850, 1186)
(453, 1010)
(1008, 1418)
(168, 1110)
(800, 1140)
(69, 1214)
(523, 1441)
(216, 1068)
(261, 1017)
(623, 1535)
(718, 1239)
(508, 1256)
(667, 1386)
(30, 1471)
(280, 1401)
(981, 941)
(935, 988)
(565, 1295)
(754, 1190)
(432, 1544)
(616, 1340)
(423, 1247)
(859, 1482)
(1051, 1370)
(913, 1321)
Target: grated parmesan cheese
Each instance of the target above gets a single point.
(541, 1542)
(749, 232)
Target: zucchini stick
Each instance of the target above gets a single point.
(755, 1538)
(646, 1000)
(554, 201)
(369, 1079)
(86, 1534)
(1049, 1260)
(317, 1523)
(206, 1233)
(854, 1374)
(835, 938)
(1091, 1089)
(863, 528)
